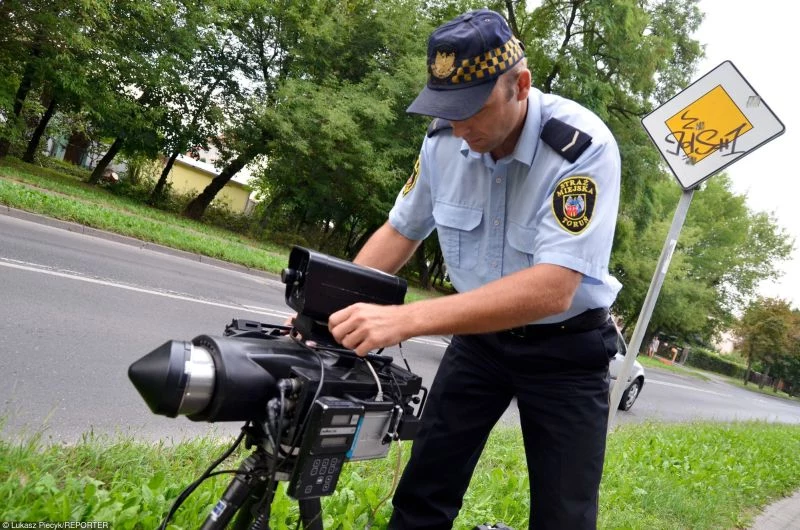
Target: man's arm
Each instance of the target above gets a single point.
(386, 250)
(517, 299)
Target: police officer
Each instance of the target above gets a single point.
(522, 188)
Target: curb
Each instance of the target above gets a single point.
(781, 515)
(127, 240)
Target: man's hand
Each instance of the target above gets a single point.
(365, 327)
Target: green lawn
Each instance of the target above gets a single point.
(657, 476)
(674, 368)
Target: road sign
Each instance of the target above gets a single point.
(711, 124)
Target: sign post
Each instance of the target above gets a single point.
(705, 128)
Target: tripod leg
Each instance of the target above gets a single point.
(241, 487)
(311, 513)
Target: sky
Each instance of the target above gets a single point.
(761, 39)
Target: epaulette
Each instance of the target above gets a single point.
(568, 141)
(438, 124)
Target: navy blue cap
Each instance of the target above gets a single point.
(465, 57)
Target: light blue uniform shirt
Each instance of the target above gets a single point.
(496, 218)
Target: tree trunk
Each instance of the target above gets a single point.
(33, 145)
(646, 340)
(512, 18)
(197, 207)
(437, 268)
(422, 267)
(763, 377)
(363, 238)
(162, 180)
(749, 369)
(97, 174)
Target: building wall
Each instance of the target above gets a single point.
(188, 179)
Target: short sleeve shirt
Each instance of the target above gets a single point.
(494, 218)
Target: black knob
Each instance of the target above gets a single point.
(289, 276)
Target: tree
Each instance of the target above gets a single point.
(766, 333)
(333, 81)
(724, 250)
(211, 85)
(149, 55)
(44, 50)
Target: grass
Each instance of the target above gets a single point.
(674, 368)
(699, 374)
(49, 192)
(753, 387)
(657, 476)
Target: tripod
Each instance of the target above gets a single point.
(250, 493)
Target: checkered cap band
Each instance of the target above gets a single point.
(489, 64)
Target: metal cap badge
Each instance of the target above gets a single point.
(465, 57)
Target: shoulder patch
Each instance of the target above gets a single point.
(567, 141)
(412, 180)
(573, 203)
(438, 125)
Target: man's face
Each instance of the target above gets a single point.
(490, 127)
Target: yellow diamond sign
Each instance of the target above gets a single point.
(710, 123)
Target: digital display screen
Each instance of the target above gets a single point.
(341, 419)
(331, 441)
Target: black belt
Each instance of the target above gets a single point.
(586, 321)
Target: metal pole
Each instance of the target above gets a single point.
(649, 302)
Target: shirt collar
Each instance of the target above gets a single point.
(525, 149)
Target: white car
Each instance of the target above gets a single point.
(635, 379)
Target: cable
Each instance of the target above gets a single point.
(398, 397)
(302, 425)
(379, 395)
(400, 347)
(265, 504)
(206, 474)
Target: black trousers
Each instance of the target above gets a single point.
(561, 386)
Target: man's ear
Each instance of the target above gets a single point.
(523, 85)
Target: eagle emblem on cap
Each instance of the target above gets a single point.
(444, 64)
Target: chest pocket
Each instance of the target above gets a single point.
(523, 241)
(459, 237)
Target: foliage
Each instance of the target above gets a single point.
(722, 253)
(711, 361)
(66, 168)
(702, 475)
(339, 143)
(142, 168)
(769, 331)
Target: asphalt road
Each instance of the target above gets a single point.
(76, 311)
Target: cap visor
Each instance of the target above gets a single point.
(457, 105)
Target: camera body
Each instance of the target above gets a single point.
(318, 285)
(312, 408)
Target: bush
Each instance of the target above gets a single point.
(709, 360)
(219, 214)
(64, 167)
(50, 168)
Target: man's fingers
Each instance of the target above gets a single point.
(341, 315)
(341, 324)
